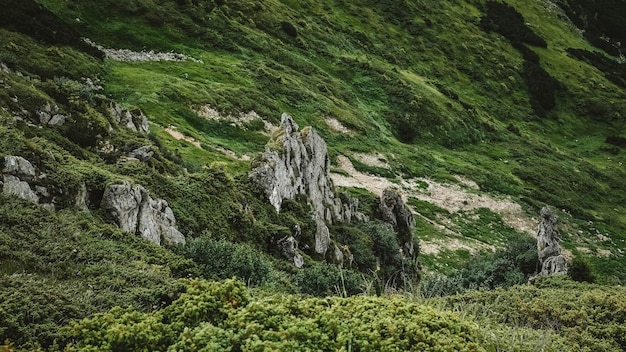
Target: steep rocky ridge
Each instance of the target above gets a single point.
(296, 162)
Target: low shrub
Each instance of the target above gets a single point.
(590, 317)
(506, 267)
(321, 279)
(219, 316)
(223, 259)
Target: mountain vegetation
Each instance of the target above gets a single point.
(479, 113)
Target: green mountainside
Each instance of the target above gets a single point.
(478, 112)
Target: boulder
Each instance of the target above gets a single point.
(134, 120)
(136, 212)
(296, 162)
(289, 248)
(122, 202)
(13, 186)
(19, 179)
(548, 247)
(18, 166)
(49, 115)
(142, 154)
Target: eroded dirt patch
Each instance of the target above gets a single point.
(452, 197)
(377, 160)
(241, 120)
(337, 126)
(180, 136)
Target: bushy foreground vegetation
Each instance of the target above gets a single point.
(222, 316)
(554, 315)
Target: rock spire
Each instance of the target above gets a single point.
(548, 247)
(296, 162)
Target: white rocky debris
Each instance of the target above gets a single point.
(127, 55)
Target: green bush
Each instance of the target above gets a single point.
(321, 279)
(222, 259)
(580, 270)
(219, 316)
(511, 265)
(590, 317)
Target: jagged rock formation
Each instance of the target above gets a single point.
(49, 115)
(342, 256)
(548, 248)
(135, 211)
(296, 162)
(134, 120)
(289, 248)
(19, 179)
(142, 154)
(396, 213)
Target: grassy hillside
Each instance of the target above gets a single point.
(501, 105)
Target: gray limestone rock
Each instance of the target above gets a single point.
(135, 211)
(399, 217)
(49, 115)
(322, 236)
(142, 154)
(296, 162)
(19, 180)
(122, 201)
(395, 212)
(18, 166)
(134, 120)
(289, 249)
(13, 186)
(548, 247)
(338, 256)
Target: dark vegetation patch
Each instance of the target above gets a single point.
(616, 140)
(36, 21)
(602, 22)
(613, 71)
(505, 20)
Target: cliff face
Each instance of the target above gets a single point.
(296, 162)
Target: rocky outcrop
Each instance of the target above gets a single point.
(142, 154)
(19, 179)
(134, 120)
(397, 214)
(49, 115)
(289, 248)
(548, 247)
(135, 211)
(342, 256)
(296, 162)
(13, 186)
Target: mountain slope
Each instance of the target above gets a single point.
(480, 112)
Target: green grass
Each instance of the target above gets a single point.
(416, 81)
